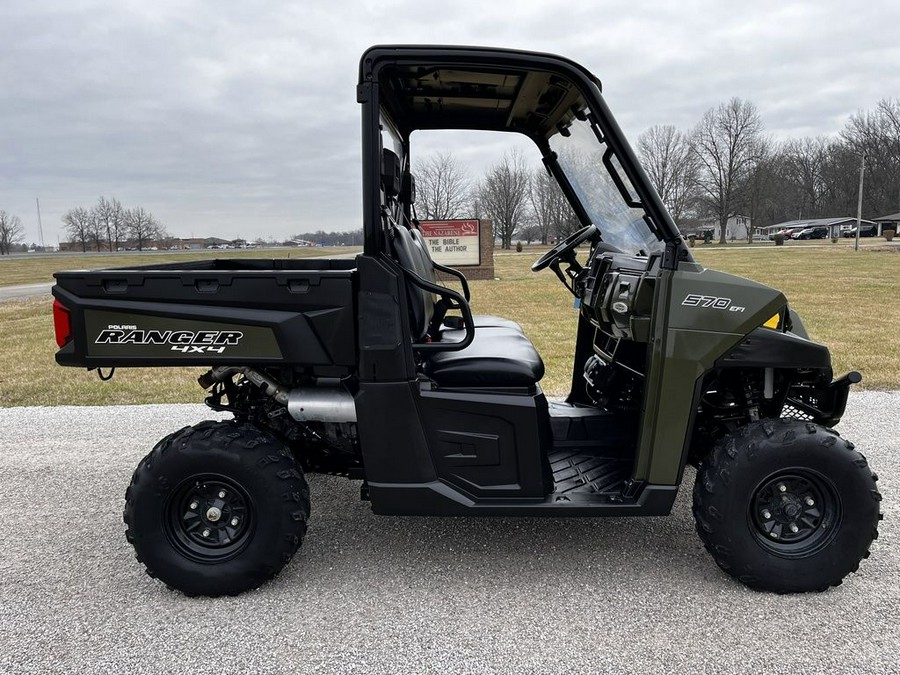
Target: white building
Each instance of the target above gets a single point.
(736, 229)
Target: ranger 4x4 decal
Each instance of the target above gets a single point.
(192, 342)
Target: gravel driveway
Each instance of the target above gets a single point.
(374, 594)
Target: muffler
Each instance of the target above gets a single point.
(330, 402)
(321, 404)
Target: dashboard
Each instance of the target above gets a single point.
(617, 295)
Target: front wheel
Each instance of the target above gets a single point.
(786, 506)
(216, 509)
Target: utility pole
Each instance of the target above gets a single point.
(40, 225)
(862, 172)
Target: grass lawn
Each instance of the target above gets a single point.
(847, 301)
(40, 268)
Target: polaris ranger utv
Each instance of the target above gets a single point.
(373, 369)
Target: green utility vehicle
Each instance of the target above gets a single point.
(373, 369)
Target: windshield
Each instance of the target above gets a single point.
(592, 169)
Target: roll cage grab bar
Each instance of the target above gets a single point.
(460, 303)
(456, 301)
(456, 273)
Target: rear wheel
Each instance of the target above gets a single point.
(786, 506)
(216, 509)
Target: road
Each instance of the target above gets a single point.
(371, 594)
(24, 291)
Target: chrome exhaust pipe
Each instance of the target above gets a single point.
(328, 403)
(321, 404)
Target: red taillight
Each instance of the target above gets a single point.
(62, 323)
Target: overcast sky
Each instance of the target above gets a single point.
(240, 118)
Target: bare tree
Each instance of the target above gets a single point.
(842, 181)
(503, 196)
(805, 177)
(78, 222)
(740, 172)
(876, 134)
(141, 226)
(803, 168)
(11, 232)
(110, 217)
(550, 208)
(547, 201)
(442, 188)
(529, 232)
(667, 158)
(726, 144)
(540, 195)
(96, 231)
(759, 187)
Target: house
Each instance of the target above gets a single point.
(834, 225)
(736, 229)
(889, 222)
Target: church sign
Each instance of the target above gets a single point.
(453, 242)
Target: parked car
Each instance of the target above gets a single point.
(820, 232)
(864, 231)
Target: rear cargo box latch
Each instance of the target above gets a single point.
(206, 285)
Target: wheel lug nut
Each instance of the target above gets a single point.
(766, 514)
(782, 487)
(234, 522)
(774, 535)
(221, 494)
(206, 532)
(810, 501)
(793, 528)
(194, 505)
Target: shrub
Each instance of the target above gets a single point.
(518, 247)
(779, 239)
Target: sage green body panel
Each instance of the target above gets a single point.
(124, 334)
(686, 341)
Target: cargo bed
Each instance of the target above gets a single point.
(240, 311)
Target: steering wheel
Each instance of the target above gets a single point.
(562, 250)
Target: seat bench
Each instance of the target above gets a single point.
(498, 357)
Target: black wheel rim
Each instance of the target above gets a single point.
(209, 518)
(795, 512)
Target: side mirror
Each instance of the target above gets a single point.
(408, 193)
(390, 173)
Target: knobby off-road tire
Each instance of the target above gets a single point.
(786, 506)
(216, 509)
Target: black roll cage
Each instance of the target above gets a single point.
(372, 96)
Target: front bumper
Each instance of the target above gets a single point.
(820, 404)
